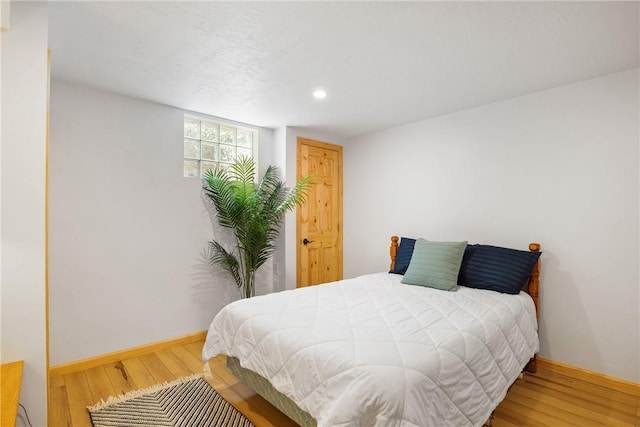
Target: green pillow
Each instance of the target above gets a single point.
(435, 264)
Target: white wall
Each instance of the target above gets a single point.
(24, 109)
(559, 167)
(128, 233)
(554, 167)
(279, 256)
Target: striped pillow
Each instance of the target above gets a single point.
(435, 264)
(496, 269)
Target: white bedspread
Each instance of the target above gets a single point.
(372, 351)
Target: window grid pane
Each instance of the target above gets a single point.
(244, 152)
(227, 153)
(205, 166)
(209, 132)
(191, 168)
(227, 135)
(245, 139)
(191, 149)
(211, 146)
(192, 129)
(209, 152)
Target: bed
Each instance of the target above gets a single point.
(374, 351)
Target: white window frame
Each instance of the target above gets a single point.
(198, 144)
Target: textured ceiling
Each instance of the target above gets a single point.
(382, 63)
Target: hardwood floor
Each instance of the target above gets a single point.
(544, 399)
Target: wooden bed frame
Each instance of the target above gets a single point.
(533, 288)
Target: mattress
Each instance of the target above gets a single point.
(372, 351)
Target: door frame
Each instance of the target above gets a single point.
(327, 146)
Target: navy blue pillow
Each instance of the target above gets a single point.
(468, 253)
(496, 269)
(403, 256)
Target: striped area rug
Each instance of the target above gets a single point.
(186, 402)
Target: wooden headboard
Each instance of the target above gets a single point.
(533, 288)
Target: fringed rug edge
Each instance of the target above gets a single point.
(114, 400)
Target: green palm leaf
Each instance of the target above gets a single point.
(254, 211)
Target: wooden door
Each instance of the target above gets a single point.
(319, 221)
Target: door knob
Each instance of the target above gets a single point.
(306, 241)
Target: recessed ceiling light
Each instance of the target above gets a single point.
(319, 94)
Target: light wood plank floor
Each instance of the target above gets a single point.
(543, 399)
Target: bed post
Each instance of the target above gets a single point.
(533, 290)
(534, 279)
(393, 250)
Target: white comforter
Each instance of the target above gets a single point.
(372, 351)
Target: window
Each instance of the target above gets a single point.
(209, 144)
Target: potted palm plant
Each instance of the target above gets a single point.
(254, 212)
